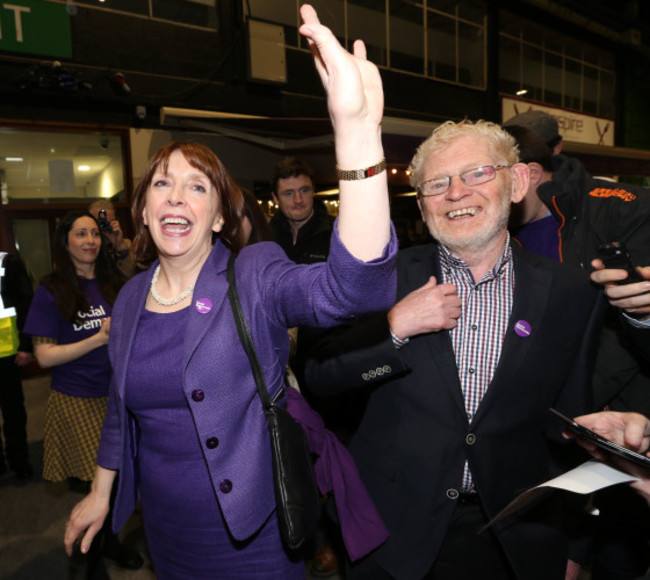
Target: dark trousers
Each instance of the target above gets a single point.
(14, 417)
(622, 535)
(464, 555)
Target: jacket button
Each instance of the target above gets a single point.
(212, 443)
(225, 486)
(198, 395)
(470, 439)
(452, 493)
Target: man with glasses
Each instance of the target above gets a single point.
(461, 372)
(302, 226)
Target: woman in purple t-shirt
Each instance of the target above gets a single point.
(69, 320)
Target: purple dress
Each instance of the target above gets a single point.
(195, 543)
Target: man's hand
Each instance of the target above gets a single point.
(632, 298)
(430, 308)
(631, 430)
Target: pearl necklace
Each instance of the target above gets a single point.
(167, 301)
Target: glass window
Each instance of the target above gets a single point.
(554, 69)
(607, 103)
(454, 44)
(441, 47)
(367, 21)
(471, 10)
(533, 72)
(572, 85)
(511, 25)
(468, 10)
(447, 6)
(591, 90)
(49, 167)
(510, 80)
(197, 12)
(553, 79)
(406, 36)
(471, 40)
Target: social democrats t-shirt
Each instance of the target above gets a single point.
(89, 375)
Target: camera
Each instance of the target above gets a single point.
(104, 224)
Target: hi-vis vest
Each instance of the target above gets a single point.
(8, 325)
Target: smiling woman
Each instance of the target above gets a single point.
(207, 491)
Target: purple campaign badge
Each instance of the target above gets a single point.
(522, 328)
(203, 305)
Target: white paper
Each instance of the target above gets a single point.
(586, 478)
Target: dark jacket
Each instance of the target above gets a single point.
(313, 243)
(17, 292)
(593, 211)
(414, 438)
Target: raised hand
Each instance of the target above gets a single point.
(355, 100)
(352, 83)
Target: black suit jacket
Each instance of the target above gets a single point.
(414, 438)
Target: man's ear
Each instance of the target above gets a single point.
(536, 173)
(520, 181)
(419, 200)
(275, 199)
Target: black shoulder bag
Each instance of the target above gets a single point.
(296, 491)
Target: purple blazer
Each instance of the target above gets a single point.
(276, 294)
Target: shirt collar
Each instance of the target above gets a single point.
(449, 261)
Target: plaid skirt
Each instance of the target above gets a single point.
(72, 429)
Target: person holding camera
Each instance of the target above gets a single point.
(119, 247)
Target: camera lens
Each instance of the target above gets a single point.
(104, 224)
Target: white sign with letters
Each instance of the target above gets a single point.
(572, 126)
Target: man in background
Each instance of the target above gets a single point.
(567, 214)
(543, 125)
(303, 228)
(302, 225)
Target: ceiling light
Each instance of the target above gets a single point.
(521, 92)
(14, 159)
(84, 168)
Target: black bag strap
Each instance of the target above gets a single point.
(245, 335)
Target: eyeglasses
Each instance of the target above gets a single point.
(471, 178)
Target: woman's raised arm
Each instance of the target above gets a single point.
(355, 101)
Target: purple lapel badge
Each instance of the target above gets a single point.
(522, 328)
(203, 305)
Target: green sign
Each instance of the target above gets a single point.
(35, 27)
